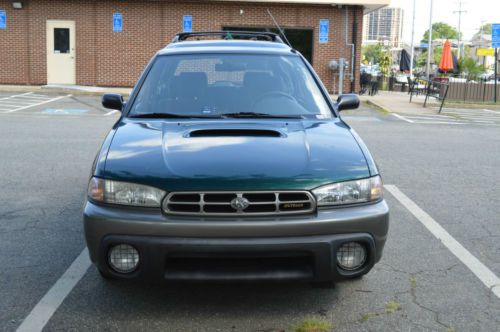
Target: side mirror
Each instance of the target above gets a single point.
(113, 101)
(348, 101)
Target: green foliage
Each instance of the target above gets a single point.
(486, 28)
(385, 63)
(470, 68)
(436, 52)
(314, 325)
(392, 306)
(378, 54)
(440, 30)
(372, 53)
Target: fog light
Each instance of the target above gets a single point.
(123, 258)
(351, 256)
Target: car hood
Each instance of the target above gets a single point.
(256, 154)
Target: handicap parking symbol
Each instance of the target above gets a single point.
(117, 22)
(324, 27)
(3, 20)
(187, 23)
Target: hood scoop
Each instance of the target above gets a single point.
(234, 132)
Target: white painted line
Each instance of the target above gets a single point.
(487, 277)
(490, 111)
(402, 117)
(37, 104)
(112, 112)
(439, 122)
(28, 97)
(414, 117)
(16, 102)
(23, 94)
(48, 305)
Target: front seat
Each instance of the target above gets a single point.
(188, 92)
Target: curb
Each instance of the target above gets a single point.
(77, 92)
(372, 103)
(74, 92)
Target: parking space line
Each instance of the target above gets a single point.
(47, 306)
(402, 118)
(487, 277)
(29, 97)
(112, 112)
(490, 111)
(38, 104)
(16, 102)
(23, 94)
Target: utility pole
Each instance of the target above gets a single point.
(459, 11)
(412, 39)
(429, 46)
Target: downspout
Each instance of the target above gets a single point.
(353, 50)
(346, 19)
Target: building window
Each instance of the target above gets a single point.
(61, 40)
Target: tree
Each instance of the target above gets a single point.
(373, 53)
(441, 30)
(486, 29)
(469, 68)
(437, 52)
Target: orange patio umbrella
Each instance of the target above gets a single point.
(446, 63)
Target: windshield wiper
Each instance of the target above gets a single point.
(260, 115)
(172, 116)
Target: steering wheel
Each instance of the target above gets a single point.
(272, 94)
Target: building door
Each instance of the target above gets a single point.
(301, 39)
(61, 52)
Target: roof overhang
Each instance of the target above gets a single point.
(369, 5)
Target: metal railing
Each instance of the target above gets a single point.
(459, 89)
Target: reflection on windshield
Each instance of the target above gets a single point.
(218, 84)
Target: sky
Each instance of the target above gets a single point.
(477, 11)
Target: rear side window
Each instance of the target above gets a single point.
(214, 84)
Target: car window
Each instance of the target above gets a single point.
(217, 84)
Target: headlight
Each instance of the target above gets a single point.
(350, 192)
(115, 192)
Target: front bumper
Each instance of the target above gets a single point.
(185, 248)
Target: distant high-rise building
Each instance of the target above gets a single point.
(385, 24)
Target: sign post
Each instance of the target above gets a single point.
(324, 27)
(496, 73)
(495, 43)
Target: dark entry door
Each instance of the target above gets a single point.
(301, 39)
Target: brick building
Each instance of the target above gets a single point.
(108, 42)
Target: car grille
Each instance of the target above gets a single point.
(239, 203)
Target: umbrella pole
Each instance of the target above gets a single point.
(429, 47)
(412, 38)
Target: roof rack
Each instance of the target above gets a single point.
(228, 35)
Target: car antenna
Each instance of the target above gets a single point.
(279, 28)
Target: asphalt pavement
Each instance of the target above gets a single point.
(449, 172)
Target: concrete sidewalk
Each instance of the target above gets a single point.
(399, 102)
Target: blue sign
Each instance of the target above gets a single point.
(117, 22)
(324, 27)
(187, 23)
(3, 20)
(424, 45)
(495, 35)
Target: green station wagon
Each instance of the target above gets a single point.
(230, 163)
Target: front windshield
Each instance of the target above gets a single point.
(218, 84)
